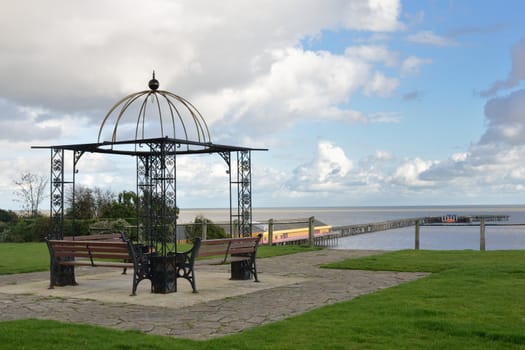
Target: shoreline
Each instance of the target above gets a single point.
(350, 215)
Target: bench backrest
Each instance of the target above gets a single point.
(228, 246)
(120, 250)
(97, 237)
(214, 247)
(243, 245)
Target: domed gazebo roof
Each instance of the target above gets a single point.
(154, 113)
(152, 117)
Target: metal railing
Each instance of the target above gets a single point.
(482, 230)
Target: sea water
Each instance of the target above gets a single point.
(431, 237)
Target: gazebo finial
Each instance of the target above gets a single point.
(153, 83)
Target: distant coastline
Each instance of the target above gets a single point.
(334, 215)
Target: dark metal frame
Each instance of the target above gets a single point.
(156, 167)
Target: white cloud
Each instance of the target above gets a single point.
(240, 62)
(381, 85)
(409, 173)
(429, 38)
(324, 173)
(69, 55)
(459, 157)
(382, 15)
(383, 155)
(373, 53)
(21, 124)
(412, 64)
(300, 85)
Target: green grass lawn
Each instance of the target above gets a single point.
(23, 257)
(473, 300)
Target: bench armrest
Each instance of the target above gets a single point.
(188, 257)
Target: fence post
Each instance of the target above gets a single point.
(311, 230)
(416, 247)
(482, 234)
(270, 232)
(204, 229)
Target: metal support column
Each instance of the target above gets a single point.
(57, 194)
(156, 185)
(227, 158)
(244, 193)
(62, 275)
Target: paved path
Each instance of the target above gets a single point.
(311, 287)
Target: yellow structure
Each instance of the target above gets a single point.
(291, 232)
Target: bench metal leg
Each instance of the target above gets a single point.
(254, 271)
(62, 275)
(134, 289)
(188, 273)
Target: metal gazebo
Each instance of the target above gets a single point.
(155, 127)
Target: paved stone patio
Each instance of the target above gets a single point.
(290, 285)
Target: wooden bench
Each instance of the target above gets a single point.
(240, 252)
(107, 237)
(96, 253)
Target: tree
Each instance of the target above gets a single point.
(83, 206)
(213, 231)
(103, 201)
(124, 207)
(30, 192)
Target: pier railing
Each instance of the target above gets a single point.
(482, 222)
(356, 229)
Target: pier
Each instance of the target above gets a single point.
(326, 236)
(357, 229)
(311, 232)
(464, 219)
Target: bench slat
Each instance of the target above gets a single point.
(97, 237)
(80, 248)
(64, 243)
(96, 264)
(215, 247)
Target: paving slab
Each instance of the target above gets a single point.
(114, 287)
(290, 285)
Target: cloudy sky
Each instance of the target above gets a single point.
(377, 102)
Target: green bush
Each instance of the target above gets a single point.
(213, 231)
(77, 227)
(27, 230)
(112, 225)
(8, 216)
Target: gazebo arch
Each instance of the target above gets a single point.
(155, 126)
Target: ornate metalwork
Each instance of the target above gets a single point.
(156, 188)
(57, 194)
(244, 196)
